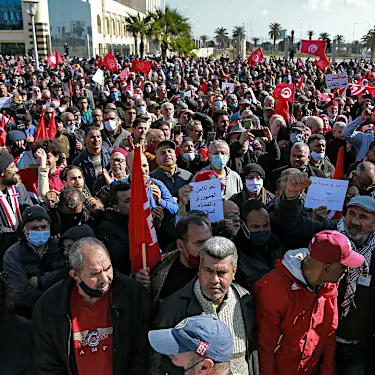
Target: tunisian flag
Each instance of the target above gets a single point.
(54, 59)
(313, 47)
(41, 131)
(141, 66)
(300, 82)
(144, 247)
(256, 57)
(323, 63)
(284, 91)
(282, 109)
(52, 127)
(110, 63)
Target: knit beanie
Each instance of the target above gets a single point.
(6, 159)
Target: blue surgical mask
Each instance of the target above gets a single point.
(218, 105)
(189, 156)
(141, 110)
(254, 185)
(295, 137)
(70, 128)
(219, 161)
(317, 156)
(233, 106)
(37, 238)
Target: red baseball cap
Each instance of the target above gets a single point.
(330, 246)
(206, 175)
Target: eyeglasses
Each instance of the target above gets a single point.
(118, 160)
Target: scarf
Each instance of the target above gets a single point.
(355, 273)
(12, 211)
(170, 169)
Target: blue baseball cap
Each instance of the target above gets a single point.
(205, 335)
(363, 201)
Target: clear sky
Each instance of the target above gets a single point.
(333, 16)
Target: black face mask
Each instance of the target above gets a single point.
(94, 293)
(70, 220)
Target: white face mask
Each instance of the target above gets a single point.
(254, 185)
(189, 156)
(110, 125)
(317, 156)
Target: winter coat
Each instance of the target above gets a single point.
(296, 325)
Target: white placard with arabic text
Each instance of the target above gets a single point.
(336, 81)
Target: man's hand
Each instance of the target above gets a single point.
(79, 145)
(143, 277)
(226, 226)
(365, 114)
(282, 144)
(320, 213)
(257, 145)
(157, 215)
(267, 135)
(33, 281)
(93, 204)
(106, 176)
(184, 195)
(30, 139)
(297, 182)
(41, 155)
(51, 198)
(246, 136)
(156, 193)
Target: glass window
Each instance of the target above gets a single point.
(99, 22)
(11, 15)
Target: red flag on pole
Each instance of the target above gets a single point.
(340, 169)
(141, 66)
(110, 63)
(19, 65)
(141, 82)
(52, 127)
(54, 59)
(99, 63)
(282, 109)
(124, 74)
(300, 82)
(144, 247)
(323, 63)
(129, 88)
(284, 91)
(256, 57)
(204, 88)
(41, 131)
(313, 47)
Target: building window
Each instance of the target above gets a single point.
(113, 27)
(118, 32)
(99, 22)
(107, 26)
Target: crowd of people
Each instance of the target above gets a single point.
(274, 288)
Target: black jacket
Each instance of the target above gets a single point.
(54, 349)
(255, 261)
(113, 231)
(21, 263)
(183, 304)
(16, 345)
(265, 197)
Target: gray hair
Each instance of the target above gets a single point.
(301, 146)
(75, 252)
(338, 124)
(192, 123)
(218, 142)
(366, 167)
(220, 248)
(167, 104)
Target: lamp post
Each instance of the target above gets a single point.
(31, 7)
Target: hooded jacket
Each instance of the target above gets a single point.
(296, 325)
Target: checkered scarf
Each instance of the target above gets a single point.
(355, 273)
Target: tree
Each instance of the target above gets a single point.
(204, 39)
(323, 36)
(274, 33)
(239, 32)
(256, 40)
(369, 42)
(168, 25)
(139, 27)
(221, 36)
(339, 40)
(310, 34)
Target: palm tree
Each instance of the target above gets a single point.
(310, 34)
(239, 32)
(140, 27)
(256, 40)
(369, 42)
(204, 39)
(168, 25)
(323, 36)
(356, 47)
(340, 40)
(274, 33)
(221, 36)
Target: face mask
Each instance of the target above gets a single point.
(331, 115)
(38, 238)
(189, 156)
(148, 89)
(254, 185)
(233, 106)
(77, 123)
(114, 96)
(260, 238)
(141, 110)
(219, 161)
(94, 293)
(70, 127)
(317, 156)
(294, 138)
(218, 105)
(110, 125)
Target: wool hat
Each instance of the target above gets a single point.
(15, 135)
(254, 167)
(6, 159)
(34, 213)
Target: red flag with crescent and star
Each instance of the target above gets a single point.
(313, 47)
(54, 59)
(141, 66)
(256, 57)
(110, 63)
(284, 91)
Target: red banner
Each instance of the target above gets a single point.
(54, 59)
(142, 232)
(313, 47)
(110, 63)
(256, 57)
(41, 131)
(284, 91)
(52, 127)
(141, 66)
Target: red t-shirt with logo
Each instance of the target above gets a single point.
(92, 334)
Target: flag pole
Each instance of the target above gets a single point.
(144, 256)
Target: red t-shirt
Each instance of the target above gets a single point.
(92, 334)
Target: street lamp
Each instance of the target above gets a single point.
(31, 7)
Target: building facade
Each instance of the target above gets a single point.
(89, 27)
